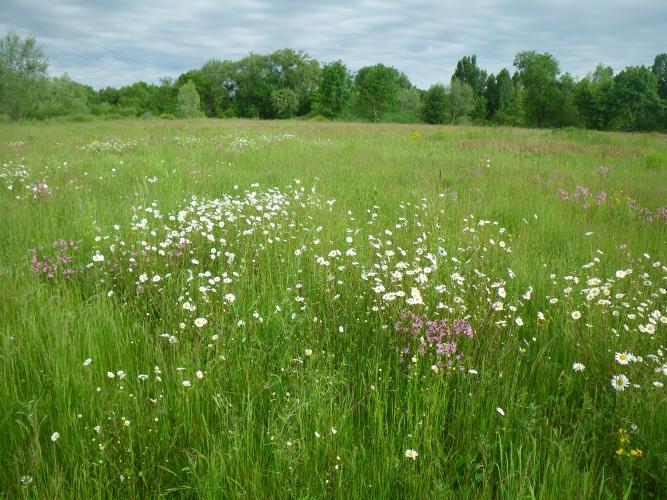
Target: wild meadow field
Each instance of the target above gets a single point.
(229, 308)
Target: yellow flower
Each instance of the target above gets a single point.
(620, 452)
(637, 453)
(624, 439)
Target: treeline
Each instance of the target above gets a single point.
(288, 83)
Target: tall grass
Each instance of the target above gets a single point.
(302, 391)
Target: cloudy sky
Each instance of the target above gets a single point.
(115, 42)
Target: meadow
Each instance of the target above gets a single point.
(293, 309)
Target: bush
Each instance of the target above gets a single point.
(317, 118)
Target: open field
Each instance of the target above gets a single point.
(290, 309)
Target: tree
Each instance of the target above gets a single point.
(499, 92)
(188, 101)
(659, 69)
(334, 90)
(435, 106)
(220, 80)
(285, 102)
(566, 114)
(60, 97)
(537, 73)
(635, 99)
(377, 90)
(23, 68)
(461, 100)
(297, 71)
(593, 96)
(468, 72)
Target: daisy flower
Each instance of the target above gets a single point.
(622, 358)
(578, 367)
(411, 454)
(620, 382)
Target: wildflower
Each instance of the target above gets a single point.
(55, 436)
(317, 434)
(500, 411)
(200, 374)
(201, 322)
(98, 257)
(575, 315)
(156, 278)
(636, 453)
(308, 352)
(411, 454)
(87, 362)
(333, 430)
(186, 383)
(111, 374)
(230, 298)
(620, 382)
(622, 358)
(578, 367)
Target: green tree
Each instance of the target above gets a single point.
(659, 69)
(499, 92)
(461, 101)
(435, 105)
(468, 72)
(537, 73)
(593, 95)
(297, 71)
(62, 96)
(636, 103)
(566, 114)
(285, 103)
(188, 101)
(334, 90)
(377, 90)
(23, 68)
(219, 77)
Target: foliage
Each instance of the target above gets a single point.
(468, 72)
(285, 103)
(188, 101)
(461, 101)
(288, 83)
(22, 75)
(335, 89)
(377, 90)
(435, 107)
(537, 74)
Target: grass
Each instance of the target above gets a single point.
(303, 393)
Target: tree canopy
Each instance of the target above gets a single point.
(288, 83)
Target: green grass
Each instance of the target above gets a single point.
(248, 427)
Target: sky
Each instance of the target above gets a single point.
(116, 42)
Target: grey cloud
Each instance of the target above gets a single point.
(115, 42)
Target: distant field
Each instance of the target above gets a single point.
(302, 310)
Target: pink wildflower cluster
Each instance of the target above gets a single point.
(433, 340)
(41, 190)
(587, 199)
(583, 195)
(57, 263)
